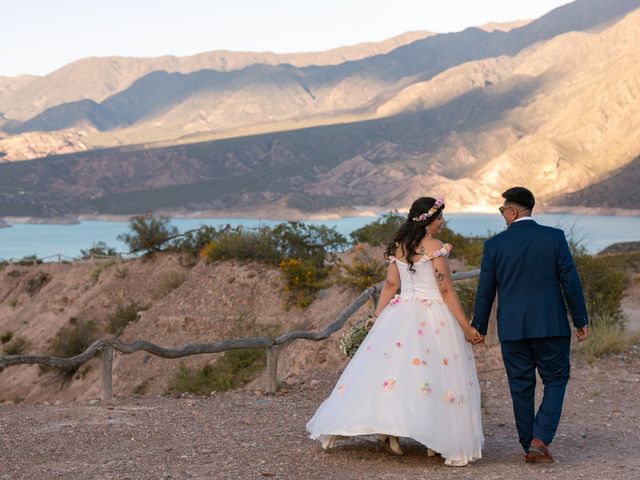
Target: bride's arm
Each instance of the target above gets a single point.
(442, 273)
(391, 285)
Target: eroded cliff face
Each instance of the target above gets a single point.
(30, 145)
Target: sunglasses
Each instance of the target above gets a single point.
(502, 209)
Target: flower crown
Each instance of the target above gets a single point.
(436, 206)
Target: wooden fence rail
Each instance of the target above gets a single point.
(105, 347)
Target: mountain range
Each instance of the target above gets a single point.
(550, 103)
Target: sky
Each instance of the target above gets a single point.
(40, 36)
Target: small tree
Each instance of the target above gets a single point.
(302, 241)
(380, 231)
(149, 233)
(193, 241)
(98, 249)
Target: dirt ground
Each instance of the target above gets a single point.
(245, 435)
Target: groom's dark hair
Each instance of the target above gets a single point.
(520, 196)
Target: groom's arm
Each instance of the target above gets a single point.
(486, 291)
(571, 286)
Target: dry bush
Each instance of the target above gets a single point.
(123, 316)
(364, 270)
(168, 283)
(606, 337)
(70, 341)
(17, 346)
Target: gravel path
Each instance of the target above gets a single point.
(244, 435)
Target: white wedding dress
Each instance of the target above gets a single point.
(413, 376)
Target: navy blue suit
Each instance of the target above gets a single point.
(531, 269)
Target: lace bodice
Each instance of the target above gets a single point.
(421, 283)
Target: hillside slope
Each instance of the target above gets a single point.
(215, 302)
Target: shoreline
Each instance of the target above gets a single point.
(292, 215)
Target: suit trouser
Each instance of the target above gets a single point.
(550, 355)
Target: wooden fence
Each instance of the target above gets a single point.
(107, 346)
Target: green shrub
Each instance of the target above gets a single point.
(17, 346)
(35, 283)
(300, 251)
(233, 368)
(123, 316)
(101, 267)
(606, 336)
(194, 241)
(148, 233)
(468, 249)
(364, 271)
(272, 245)
(99, 249)
(307, 242)
(168, 283)
(29, 260)
(70, 341)
(602, 283)
(304, 280)
(380, 231)
(6, 336)
(242, 244)
(141, 388)
(466, 290)
(13, 303)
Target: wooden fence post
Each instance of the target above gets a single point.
(271, 373)
(107, 377)
(374, 296)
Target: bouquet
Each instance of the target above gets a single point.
(354, 337)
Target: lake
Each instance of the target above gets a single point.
(46, 240)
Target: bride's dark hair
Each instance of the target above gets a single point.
(411, 232)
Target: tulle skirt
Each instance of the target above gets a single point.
(413, 376)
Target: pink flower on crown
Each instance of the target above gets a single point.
(439, 203)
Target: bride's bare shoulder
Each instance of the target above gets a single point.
(431, 244)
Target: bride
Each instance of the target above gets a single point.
(414, 374)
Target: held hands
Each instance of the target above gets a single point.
(582, 333)
(472, 336)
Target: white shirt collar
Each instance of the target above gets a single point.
(522, 218)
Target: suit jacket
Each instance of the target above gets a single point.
(532, 270)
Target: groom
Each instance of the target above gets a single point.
(531, 269)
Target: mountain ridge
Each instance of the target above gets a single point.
(552, 117)
(327, 82)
